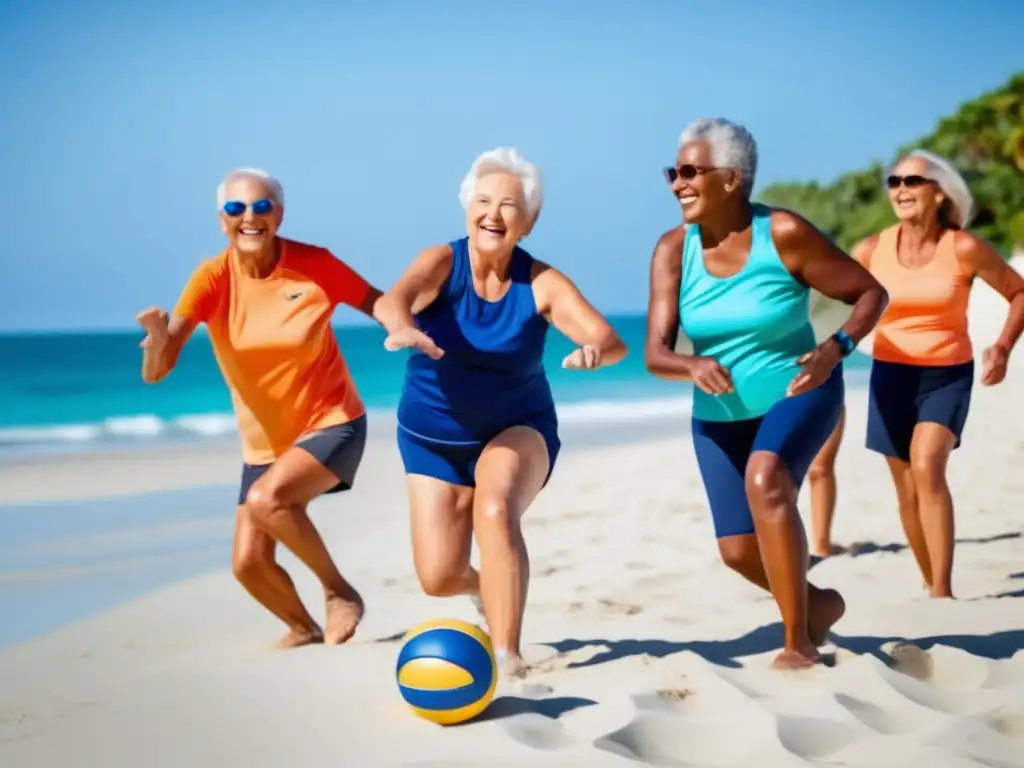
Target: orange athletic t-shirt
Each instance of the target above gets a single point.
(274, 343)
(926, 320)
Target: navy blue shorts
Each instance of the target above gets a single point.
(338, 448)
(794, 429)
(901, 396)
(455, 463)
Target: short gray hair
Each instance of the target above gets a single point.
(505, 160)
(945, 174)
(732, 146)
(256, 174)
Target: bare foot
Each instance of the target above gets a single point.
(299, 637)
(343, 615)
(797, 658)
(825, 609)
(513, 668)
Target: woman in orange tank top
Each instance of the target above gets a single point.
(923, 369)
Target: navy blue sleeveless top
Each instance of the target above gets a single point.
(491, 376)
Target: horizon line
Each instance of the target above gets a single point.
(126, 329)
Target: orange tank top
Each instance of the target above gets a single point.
(926, 320)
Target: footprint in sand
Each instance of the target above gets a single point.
(550, 570)
(619, 609)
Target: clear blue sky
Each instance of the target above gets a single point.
(118, 121)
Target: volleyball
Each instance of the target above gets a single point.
(446, 671)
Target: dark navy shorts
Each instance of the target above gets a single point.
(794, 429)
(455, 463)
(338, 448)
(901, 396)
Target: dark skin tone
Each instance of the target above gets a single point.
(922, 491)
(775, 556)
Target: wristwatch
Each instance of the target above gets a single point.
(846, 345)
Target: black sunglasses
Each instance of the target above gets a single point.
(912, 181)
(235, 208)
(686, 171)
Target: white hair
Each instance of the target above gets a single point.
(949, 180)
(273, 186)
(732, 146)
(505, 160)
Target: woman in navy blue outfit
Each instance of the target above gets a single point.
(478, 432)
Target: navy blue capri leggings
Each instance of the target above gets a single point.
(794, 429)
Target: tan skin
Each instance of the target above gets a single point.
(275, 509)
(922, 491)
(821, 476)
(775, 556)
(514, 464)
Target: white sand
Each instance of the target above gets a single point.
(628, 599)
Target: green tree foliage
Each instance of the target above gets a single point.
(984, 139)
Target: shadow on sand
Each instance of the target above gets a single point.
(861, 548)
(998, 645)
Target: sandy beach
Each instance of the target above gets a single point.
(645, 649)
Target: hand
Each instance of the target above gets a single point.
(411, 337)
(154, 321)
(586, 357)
(994, 361)
(817, 367)
(710, 376)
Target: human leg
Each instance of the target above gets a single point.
(439, 478)
(509, 474)
(930, 448)
(441, 524)
(822, 479)
(722, 450)
(276, 505)
(790, 436)
(255, 567)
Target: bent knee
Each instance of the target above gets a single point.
(770, 488)
(493, 513)
(820, 472)
(248, 564)
(439, 582)
(264, 503)
(737, 551)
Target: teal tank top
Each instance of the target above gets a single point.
(755, 324)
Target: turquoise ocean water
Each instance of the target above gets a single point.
(79, 390)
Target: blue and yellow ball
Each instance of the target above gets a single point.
(446, 671)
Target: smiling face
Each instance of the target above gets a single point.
(698, 185)
(250, 231)
(914, 196)
(496, 218)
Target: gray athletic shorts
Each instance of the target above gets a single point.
(338, 448)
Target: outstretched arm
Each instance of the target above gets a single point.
(564, 306)
(165, 337)
(418, 286)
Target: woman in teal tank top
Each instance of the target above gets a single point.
(736, 278)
